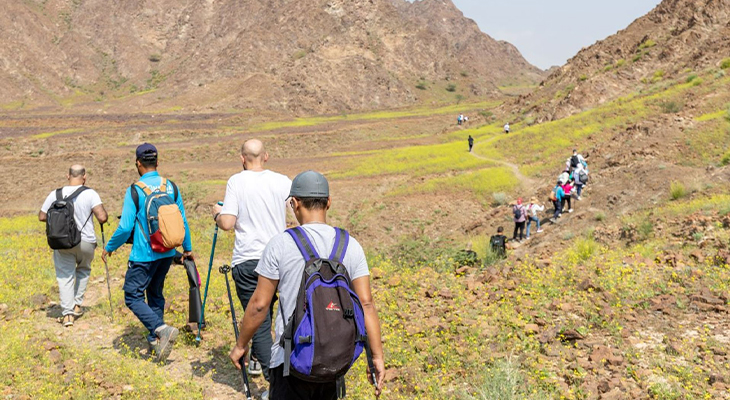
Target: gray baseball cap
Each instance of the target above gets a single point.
(310, 184)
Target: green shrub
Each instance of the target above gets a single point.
(155, 58)
(451, 87)
(645, 229)
(463, 74)
(607, 68)
(691, 78)
(499, 199)
(671, 107)
(677, 190)
(725, 63)
(583, 78)
(486, 114)
(647, 44)
(725, 158)
(299, 54)
(727, 114)
(502, 380)
(585, 248)
(459, 98)
(636, 57)
(600, 216)
(620, 62)
(421, 86)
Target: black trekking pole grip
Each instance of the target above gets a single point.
(225, 269)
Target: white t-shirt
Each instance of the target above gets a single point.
(258, 200)
(282, 261)
(83, 203)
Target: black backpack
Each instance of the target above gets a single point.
(574, 161)
(517, 211)
(326, 332)
(61, 230)
(497, 243)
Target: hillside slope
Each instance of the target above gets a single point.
(302, 56)
(677, 37)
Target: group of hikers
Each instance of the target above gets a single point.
(312, 260)
(462, 119)
(569, 186)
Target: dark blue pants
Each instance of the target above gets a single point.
(147, 278)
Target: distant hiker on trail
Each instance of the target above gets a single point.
(520, 216)
(556, 197)
(506, 128)
(295, 372)
(580, 177)
(567, 190)
(498, 243)
(460, 119)
(576, 160)
(532, 210)
(67, 213)
(155, 238)
(255, 206)
(471, 143)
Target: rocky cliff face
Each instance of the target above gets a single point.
(301, 56)
(678, 36)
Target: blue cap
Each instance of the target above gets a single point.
(146, 150)
(310, 184)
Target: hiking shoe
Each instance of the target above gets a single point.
(78, 311)
(67, 320)
(166, 338)
(570, 211)
(154, 348)
(539, 231)
(579, 199)
(265, 395)
(254, 367)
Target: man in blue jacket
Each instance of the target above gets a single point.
(147, 269)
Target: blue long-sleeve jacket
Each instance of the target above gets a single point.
(141, 249)
(559, 193)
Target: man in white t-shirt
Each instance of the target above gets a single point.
(255, 206)
(281, 267)
(73, 266)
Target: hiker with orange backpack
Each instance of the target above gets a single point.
(556, 197)
(154, 216)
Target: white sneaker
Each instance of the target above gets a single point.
(579, 199)
(570, 211)
(539, 231)
(254, 368)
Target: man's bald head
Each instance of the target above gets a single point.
(253, 149)
(76, 171)
(253, 154)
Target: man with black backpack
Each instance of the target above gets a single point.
(340, 303)
(68, 213)
(498, 243)
(154, 216)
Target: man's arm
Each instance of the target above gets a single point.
(100, 213)
(372, 325)
(42, 216)
(227, 214)
(126, 225)
(256, 312)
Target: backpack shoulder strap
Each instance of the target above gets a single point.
(342, 239)
(303, 243)
(135, 197)
(59, 194)
(163, 185)
(75, 193)
(175, 191)
(144, 188)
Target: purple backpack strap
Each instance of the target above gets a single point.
(342, 239)
(303, 243)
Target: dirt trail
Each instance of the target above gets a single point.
(525, 181)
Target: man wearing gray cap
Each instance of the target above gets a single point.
(255, 207)
(281, 267)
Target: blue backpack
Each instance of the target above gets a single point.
(326, 332)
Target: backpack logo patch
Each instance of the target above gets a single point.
(332, 306)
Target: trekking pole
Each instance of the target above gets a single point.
(225, 269)
(106, 267)
(207, 280)
(371, 365)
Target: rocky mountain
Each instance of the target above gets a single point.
(294, 55)
(677, 37)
